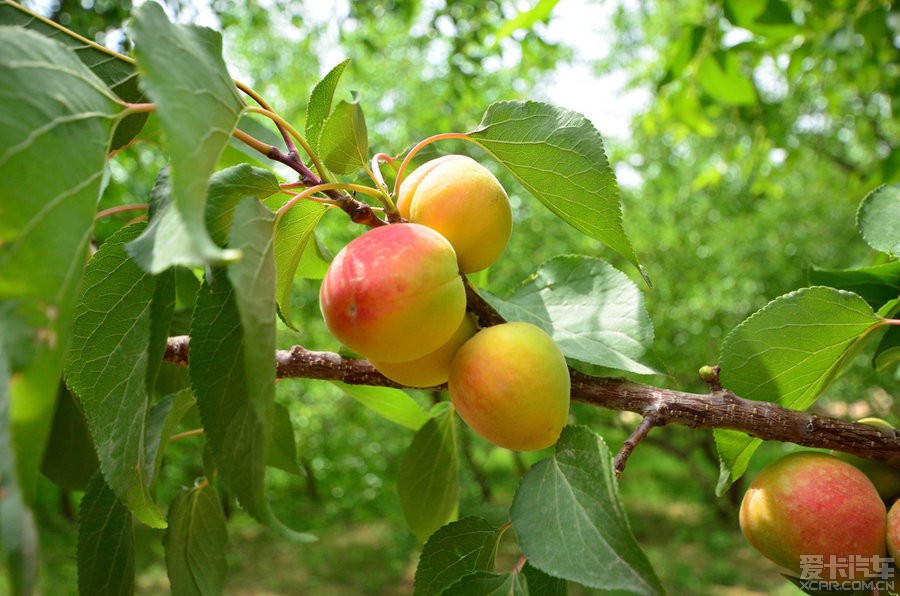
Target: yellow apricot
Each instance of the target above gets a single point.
(465, 202)
(510, 384)
(394, 294)
(433, 368)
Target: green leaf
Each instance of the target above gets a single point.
(344, 144)
(232, 364)
(196, 542)
(720, 76)
(111, 366)
(526, 19)
(319, 106)
(105, 543)
(18, 532)
(787, 353)
(887, 354)
(877, 219)
(558, 156)
(594, 313)
(455, 551)
(293, 236)
(45, 220)
(389, 403)
(769, 18)
(541, 584)
(229, 187)
(283, 450)
(428, 479)
(571, 523)
(877, 285)
(683, 51)
(486, 583)
(314, 261)
(117, 71)
(162, 421)
(198, 107)
(70, 460)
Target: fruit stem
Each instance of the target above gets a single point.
(390, 208)
(307, 194)
(187, 434)
(120, 209)
(401, 171)
(250, 91)
(277, 119)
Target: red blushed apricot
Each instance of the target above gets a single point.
(433, 368)
(394, 293)
(462, 200)
(510, 384)
(814, 504)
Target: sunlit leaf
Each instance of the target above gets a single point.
(559, 157)
(594, 313)
(571, 523)
(293, 236)
(105, 543)
(877, 219)
(454, 551)
(720, 76)
(344, 144)
(391, 404)
(787, 353)
(319, 106)
(428, 479)
(526, 19)
(111, 364)
(45, 220)
(198, 107)
(195, 542)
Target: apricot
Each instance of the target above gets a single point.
(433, 368)
(462, 200)
(394, 293)
(814, 504)
(893, 532)
(510, 384)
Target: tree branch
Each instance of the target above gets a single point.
(718, 409)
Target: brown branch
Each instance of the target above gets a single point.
(719, 409)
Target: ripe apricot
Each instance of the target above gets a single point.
(815, 505)
(893, 532)
(510, 384)
(433, 368)
(394, 293)
(462, 200)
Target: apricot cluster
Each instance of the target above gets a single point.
(395, 296)
(820, 517)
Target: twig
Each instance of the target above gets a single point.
(640, 433)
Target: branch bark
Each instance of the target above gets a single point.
(718, 409)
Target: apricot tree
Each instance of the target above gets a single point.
(202, 284)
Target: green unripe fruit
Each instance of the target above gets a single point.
(462, 200)
(510, 384)
(394, 294)
(814, 504)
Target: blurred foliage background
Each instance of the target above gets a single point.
(759, 127)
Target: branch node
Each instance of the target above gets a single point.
(710, 375)
(651, 419)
